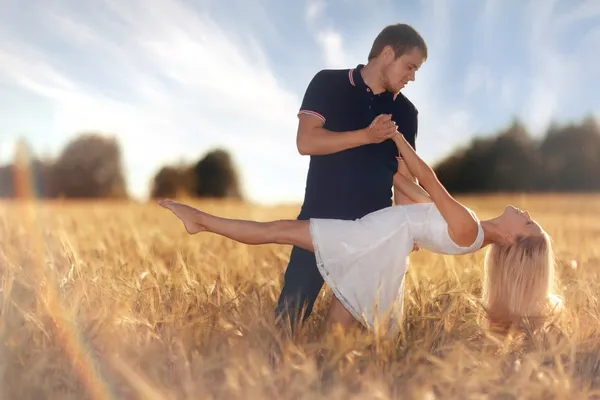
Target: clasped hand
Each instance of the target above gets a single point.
(382, 128)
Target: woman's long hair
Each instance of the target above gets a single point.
(519, 280)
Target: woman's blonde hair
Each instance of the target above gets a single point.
(519, 281)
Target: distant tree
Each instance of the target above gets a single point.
(566, 159)
(27, 175)
(89, 167)
(165, 183)
(216, 176)
(171, 181)
(468, 169)
(6, 181)
(571, 157)
(516, 162)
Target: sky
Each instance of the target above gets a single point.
(173, 79)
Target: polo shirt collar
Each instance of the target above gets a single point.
(356, 79)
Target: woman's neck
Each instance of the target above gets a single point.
(491, 233)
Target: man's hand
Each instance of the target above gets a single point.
(382, 128)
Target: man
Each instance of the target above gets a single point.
(344, 126)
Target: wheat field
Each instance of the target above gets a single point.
(106, 300)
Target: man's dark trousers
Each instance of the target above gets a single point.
(302, 284)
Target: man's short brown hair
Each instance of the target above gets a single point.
(401, 37)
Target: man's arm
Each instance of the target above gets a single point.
(318, 102)
(313, 139)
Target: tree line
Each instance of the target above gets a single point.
(565, 159)
(91, 167)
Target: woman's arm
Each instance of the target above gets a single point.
(404, 183)
(461, 224)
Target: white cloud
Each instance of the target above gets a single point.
(332, 47)
(538, 87)
(184, 86)
(26, 67)
(328, 38)
(314, 10)
(554, 75)
(439, 11)
(585, 10)
(478, 77)
(491, 9)
(442, 125)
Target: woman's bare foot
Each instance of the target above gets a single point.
(190, 216)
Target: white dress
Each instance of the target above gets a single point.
(364, 261)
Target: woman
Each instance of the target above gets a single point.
(364, 261)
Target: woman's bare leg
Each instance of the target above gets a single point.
(338, 315)
(293, 232)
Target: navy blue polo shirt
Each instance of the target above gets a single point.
(352, 183)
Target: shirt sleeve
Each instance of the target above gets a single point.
(316, 98)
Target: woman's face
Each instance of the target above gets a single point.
(515, 222)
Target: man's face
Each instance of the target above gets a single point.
(396, 73)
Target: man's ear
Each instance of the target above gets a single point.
(388, 53)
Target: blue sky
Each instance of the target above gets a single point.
(174, 79)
